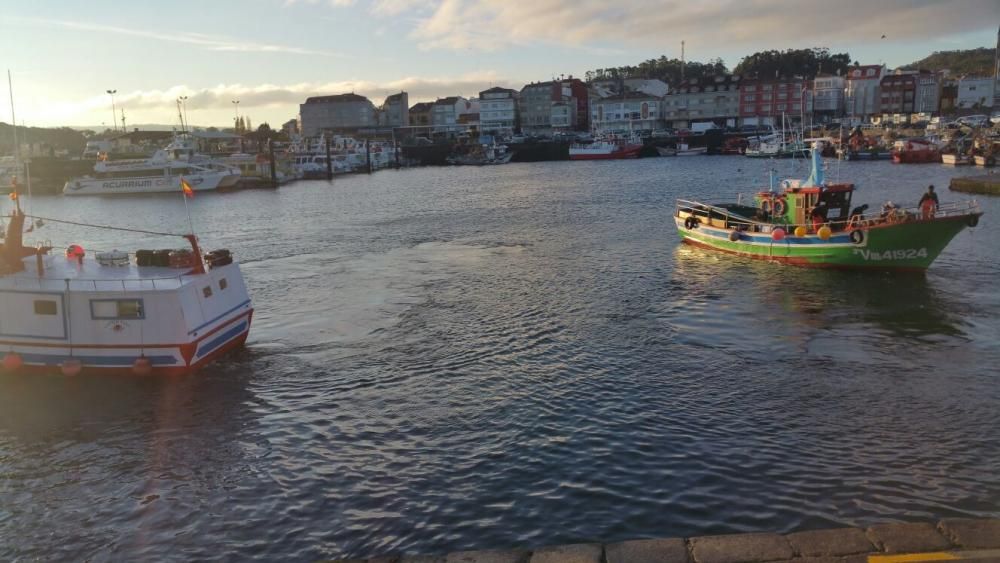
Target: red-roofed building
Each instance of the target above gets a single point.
(764, 101)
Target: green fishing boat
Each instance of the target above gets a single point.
(811, 223)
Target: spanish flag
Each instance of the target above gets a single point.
(188, 190)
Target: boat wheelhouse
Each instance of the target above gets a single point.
(812, 223)
(165, 312)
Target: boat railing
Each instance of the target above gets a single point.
(100, 285)
(706, 212)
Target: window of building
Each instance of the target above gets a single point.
(45, 307)
(779, 107)
(870, 72)
(749, 98)
(765, 108)
(101, 309)
(782, 95)
(795, 106)
(766, 97)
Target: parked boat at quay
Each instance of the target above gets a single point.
(161, 173)
(603, 149)
(167, 312)
(684, 149)
(811, 223)
(915, 151)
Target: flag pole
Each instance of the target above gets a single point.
(187, 209)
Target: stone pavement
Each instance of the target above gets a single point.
(953, 539)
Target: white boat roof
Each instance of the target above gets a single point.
(93, 276)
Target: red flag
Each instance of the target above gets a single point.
(188, 190)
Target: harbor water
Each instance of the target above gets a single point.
(520, 355)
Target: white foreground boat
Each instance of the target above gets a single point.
(168, 312)
(160, 173)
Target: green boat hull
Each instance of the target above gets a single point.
(911, 245)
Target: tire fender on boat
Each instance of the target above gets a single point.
(780, 207)
(972, 221)
(734, 236)
(691, 223)
(857, 237)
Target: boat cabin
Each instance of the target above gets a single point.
(795, 204)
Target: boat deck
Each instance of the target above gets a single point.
(61, 273)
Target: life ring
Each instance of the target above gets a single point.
(691, 223)
(780, 207)
(857, 237)
(972, 221)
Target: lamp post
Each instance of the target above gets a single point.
(183, 100)
(236, 110)
(114, 114)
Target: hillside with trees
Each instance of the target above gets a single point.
(793, 62)
(59, 138)
(978, 62)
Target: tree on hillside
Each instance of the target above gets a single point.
(793, 62)
(662, 68)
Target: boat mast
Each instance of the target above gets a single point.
(17, 146)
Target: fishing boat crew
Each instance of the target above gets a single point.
(928, 202)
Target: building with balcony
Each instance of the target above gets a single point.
(928, 95)
(498, 111)
(341, 113)
(828, 97)
(633, 111)
(713, 99)
(898, 94)
(769, 101)
(861, 94)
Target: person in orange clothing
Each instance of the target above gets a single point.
(929, 203)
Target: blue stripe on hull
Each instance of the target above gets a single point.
(107, 361)
(210, 346)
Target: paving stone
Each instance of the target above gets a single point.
(741, 548)
(511, 556)
(822, 543)
(576, 553)
(972, 533)
(672, 550)
(908, 538)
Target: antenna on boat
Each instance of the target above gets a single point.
(17, 146)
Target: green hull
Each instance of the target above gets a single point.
(911, 245)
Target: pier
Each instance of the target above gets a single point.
(952, 539)
(989, 184)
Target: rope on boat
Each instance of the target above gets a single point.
(108, 227)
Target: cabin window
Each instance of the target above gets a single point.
(102, 309)
(45, 307)
(223, 284)
(207, 291)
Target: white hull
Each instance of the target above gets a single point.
(147, 184)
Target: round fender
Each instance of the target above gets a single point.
(972, 221)
(691, 223)
(857, 237)
(734, 236)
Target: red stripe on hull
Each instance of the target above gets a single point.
(800, 262)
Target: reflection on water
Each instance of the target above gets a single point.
(460, 358)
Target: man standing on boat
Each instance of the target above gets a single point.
(929, 202)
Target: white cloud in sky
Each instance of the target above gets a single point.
(491, 25)
(212, 42)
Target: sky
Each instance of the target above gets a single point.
(272, 54)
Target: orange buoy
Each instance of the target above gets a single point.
(142, 366)
(72, 367)
(12, 361)
(778, 234)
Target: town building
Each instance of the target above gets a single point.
(632, 111)
(420, 114)
(928, 96)
(395, 111)
(769, 101)
(828, 97)
(861, 95)
(949, 95)
(446, 113)
(498, 111)
(137, 141)
(579, 93)
(975, 92)
(338, 113)
(897, 94)
(535, 104)
(715, 99)
(291, 127)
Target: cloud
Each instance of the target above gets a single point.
(491, 25)
(210, 42)
(275, 96)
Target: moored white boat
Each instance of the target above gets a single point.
(158, 174)
(683, 149)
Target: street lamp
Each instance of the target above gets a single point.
(236, 110)
(183, 101)
(114, 114)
